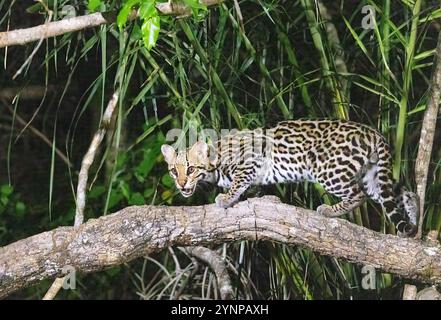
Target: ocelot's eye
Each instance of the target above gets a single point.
(174, 172)
(190, 170)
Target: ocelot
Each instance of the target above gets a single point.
(350, 160)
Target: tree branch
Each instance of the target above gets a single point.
(139, 230)
(56, 28)
(83, 177)
(422, 162)
(425, 145)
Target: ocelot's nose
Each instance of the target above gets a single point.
(182, 182)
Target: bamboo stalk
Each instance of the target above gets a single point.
(407, 78)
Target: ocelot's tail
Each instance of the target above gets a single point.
(401, 206)
(408, 205)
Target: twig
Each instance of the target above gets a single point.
(83, 177)
(31, 56)
(217, 264)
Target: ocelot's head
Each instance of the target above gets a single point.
(188, 166)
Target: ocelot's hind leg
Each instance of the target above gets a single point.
(350, 201)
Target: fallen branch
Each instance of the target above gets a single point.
(56, 28)
(140, 230)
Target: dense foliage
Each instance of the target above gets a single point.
(225, 66)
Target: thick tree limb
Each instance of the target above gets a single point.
(139, 230)
(56, 28)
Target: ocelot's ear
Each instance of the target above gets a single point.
(169, 153)
(199, 152)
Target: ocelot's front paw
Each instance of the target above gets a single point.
(325, 210)
(223, 200)
(408, 230)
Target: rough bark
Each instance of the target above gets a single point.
(425, 145)
(140, 230)
(422, 162)
(56, 28)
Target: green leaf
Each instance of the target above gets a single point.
(166, 195)
(34, 8)
(150, 31)
(4, 200)
(115, 198)
(6, 190)
(167, 181)
(148, 10)
(146, 165)
(139, 177)
(112, 272)
(93, 5)
(358, 40)
(424, 55)
(123, 14)
(121, 159)
(20, 208)
(136, 199)
(96, 192)
(38, 7)
(136, 32)
(198, 9)
(125, 189)
(436, 14)
(149, 192)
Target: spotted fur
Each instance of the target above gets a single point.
(350, 160)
